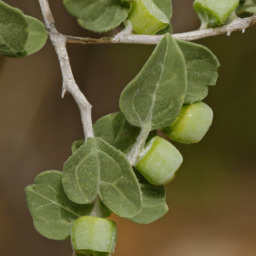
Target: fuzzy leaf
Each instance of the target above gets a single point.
(97, 15)
(13, 30)
(202, 70)
(165, 6)
(168, 29)
(76, 145)
(153, 202)
(37, 37)
(53, 213)
(98, 168)
(154, 98)
(117, 131)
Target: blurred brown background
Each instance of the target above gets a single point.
(212, 200)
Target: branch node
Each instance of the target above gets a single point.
(124, 33)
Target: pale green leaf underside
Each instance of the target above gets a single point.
(53, 213)
(97, 15)
(154, 98)
(13, 30)
(202, 70)
(37, 36)
(98, 168)
(153, 202)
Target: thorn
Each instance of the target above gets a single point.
(64, 91)
(229, 32)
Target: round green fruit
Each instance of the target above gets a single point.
(93, 236)
(214, 13)
(159, 161)
(147, 18)
(191, 125)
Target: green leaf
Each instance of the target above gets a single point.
(37, 36)
(154, 98)
(202, 70)
(53, 213)
(154, 204)
(117, 131)
(13, 30)
(97, 15)
(165, 6)
(166, 30)
(250, 9)
(98, 168)
(76, 145)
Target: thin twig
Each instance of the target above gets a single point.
(69, 84)
(237, 25)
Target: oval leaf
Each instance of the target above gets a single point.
(53, 213)
(98, 168)
(37, 37)
(202, 70)
(117, 131)
(97, 15)
(154, 98)
(13, 30)
(165, 6)
(154, 204)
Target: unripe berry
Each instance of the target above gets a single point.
(214, 13)
(147, 18)
(192, 123)
(93, 236)
(159, 161)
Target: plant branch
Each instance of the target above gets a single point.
(69, 84)
(237, 25)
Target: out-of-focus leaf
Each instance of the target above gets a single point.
(37, 36)
(13, 30)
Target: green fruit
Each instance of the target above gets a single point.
(147, 18)
(214, 13)
(192, 123)
(93, 236)
(159, 161)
